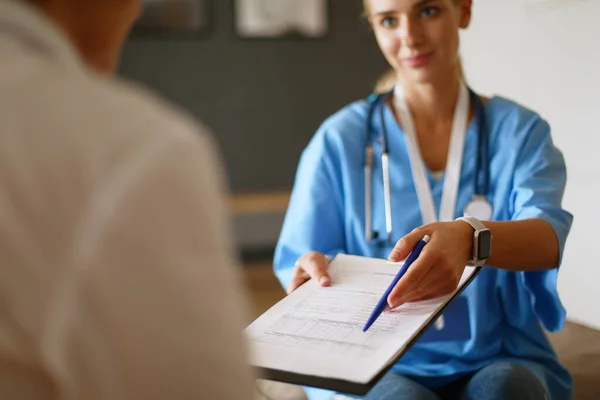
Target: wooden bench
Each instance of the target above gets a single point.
(252, 203)
(257, 221)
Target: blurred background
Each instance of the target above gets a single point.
(264, 74)
(263, 92)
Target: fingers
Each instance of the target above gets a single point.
(310, 266)
(316, 267)
(409, 282)
(299, 277)
(435, 283)
(405, 245)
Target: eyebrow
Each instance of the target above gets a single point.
(422, 3)
(416, 5)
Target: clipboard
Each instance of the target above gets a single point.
(352, 386)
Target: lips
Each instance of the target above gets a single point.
(416, 60)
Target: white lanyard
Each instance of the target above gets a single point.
(453, 164)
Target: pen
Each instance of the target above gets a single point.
(383, 301)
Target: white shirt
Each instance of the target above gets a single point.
(117, 279)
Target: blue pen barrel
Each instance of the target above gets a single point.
(382, 303)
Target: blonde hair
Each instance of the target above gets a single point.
(386, 81)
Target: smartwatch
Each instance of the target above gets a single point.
(482, 241)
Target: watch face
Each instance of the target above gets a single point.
(484, 245)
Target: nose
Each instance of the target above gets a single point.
(410, 31)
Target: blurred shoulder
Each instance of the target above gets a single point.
(143, 113)
(111, 128)
(99, 123)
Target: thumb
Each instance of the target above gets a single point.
(405, 245)
(316, 267)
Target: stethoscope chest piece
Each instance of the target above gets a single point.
(479, 208)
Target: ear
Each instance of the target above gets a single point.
(466, 7)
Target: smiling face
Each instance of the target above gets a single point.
(419, 38)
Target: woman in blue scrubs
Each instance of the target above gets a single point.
(434, 142)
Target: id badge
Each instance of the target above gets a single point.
(453, 325)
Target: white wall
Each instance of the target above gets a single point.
(549, 60)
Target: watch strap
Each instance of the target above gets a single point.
(474, 222)
(478, 226)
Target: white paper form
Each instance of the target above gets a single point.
(318, 331)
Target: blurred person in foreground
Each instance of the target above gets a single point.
(117, 275)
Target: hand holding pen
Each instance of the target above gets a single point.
(436, 255)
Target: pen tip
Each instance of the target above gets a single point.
(426, 239)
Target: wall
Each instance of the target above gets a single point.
(264, 99)
(548, 59)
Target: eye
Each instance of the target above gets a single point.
(389, 22)
(429, 12)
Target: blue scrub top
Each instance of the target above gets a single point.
(506, 310)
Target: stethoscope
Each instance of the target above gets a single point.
(478, 206)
